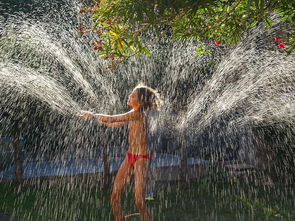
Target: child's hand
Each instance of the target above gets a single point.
(86, 115)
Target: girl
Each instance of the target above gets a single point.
(136, 163)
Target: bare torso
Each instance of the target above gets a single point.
(138, 136)
(137, 128)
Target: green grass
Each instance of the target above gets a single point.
(206, 200)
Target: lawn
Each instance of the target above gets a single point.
(205, 200)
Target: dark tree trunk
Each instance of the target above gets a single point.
(183, 162)
(106, 169)
(18, 163)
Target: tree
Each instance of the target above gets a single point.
(124, 27)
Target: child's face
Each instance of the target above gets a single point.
(133, 100)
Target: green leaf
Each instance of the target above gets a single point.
(268, 21)
(146, 51)
(200, 51)
(101, 53)
(291, 49)
(114, 33)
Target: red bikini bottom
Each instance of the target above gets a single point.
(132, 158)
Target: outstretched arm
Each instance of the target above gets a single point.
(129, 116)
(115, 124)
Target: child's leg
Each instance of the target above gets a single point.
(121, 181)
(151, 190)
(140, 176)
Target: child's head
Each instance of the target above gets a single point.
(144, 98)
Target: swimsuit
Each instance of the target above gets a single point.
(132, 158)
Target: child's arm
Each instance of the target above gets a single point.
(129, 116)
(116, 124)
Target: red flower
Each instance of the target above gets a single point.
(282, 45)
(277, 39)
(217, 43)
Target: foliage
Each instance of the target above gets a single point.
(122, 26)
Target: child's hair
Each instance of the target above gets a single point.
(149, 97)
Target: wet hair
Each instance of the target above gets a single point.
(149, 97)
